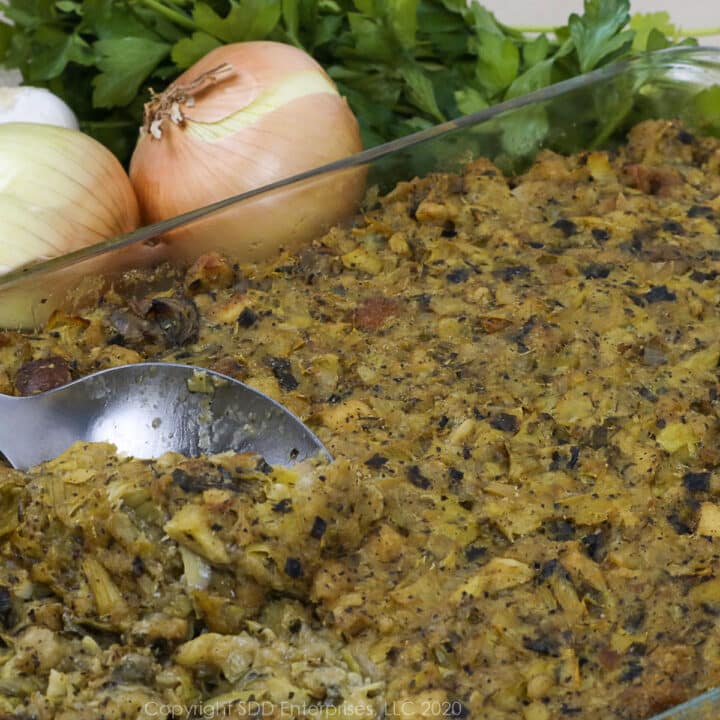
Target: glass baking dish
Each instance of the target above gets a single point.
(591, 111)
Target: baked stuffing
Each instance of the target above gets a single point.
(518, 379)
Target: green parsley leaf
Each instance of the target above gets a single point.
(55, 49)
(125, 63)
(189, 50)
(248, 20)
(597, 33)
(420, 91)
(498, 62)
(69, 6)
(402, 15)
(470, 100)
(645, 23)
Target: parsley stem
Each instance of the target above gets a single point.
(698, 33)
(171, 14)
(533, 29)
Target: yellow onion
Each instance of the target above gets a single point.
(60, 190)
(244, 116)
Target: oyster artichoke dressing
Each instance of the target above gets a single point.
(518, 378)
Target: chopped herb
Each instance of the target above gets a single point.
(595, 545)
(596, 271)
(283, 506)
(455, 474)
(542, 645)
(474, 552)
(6, 607)
(247, 318)
(685, 137)
(376, 461)
(701, 277)
(600, 235)
(679, 524)
(448, 230)
(696, 481)
(673, 227)
(633, 670)
(559, 530)
(566, 227)
(459, 275)
(505, 422)
(660, 293)
(138, 566)
(293, 568)
(698, 211)
(282, 370)
(513, 271)
(318, 528)
(417, 478)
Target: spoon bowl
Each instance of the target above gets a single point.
(147, 409)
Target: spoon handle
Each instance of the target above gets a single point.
(15, 428)
(27, 434)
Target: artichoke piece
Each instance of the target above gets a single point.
(108, 598)
(231, 654)
(499, 574)
(190, 527)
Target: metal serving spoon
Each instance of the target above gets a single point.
(147, 409)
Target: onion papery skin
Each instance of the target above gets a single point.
(279, 114)
(60, 190)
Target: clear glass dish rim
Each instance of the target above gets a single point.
(656, 60)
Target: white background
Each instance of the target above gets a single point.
(687, 14)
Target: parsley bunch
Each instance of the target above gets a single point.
(402, 64)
